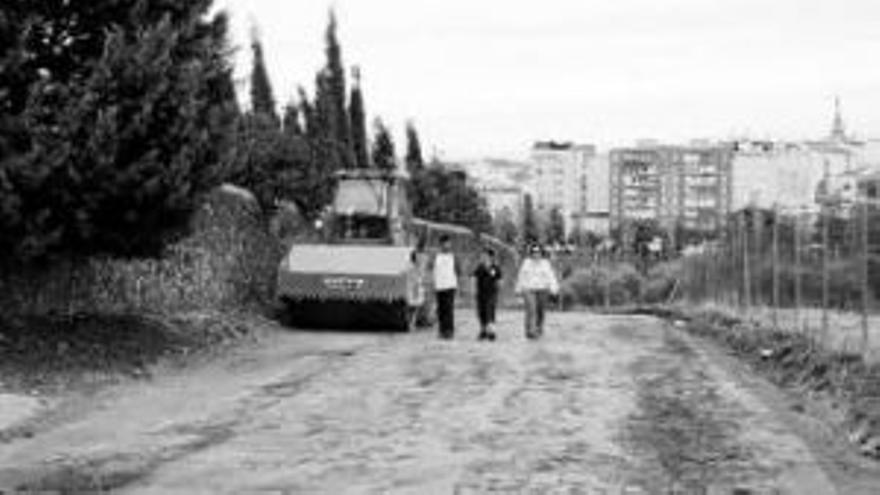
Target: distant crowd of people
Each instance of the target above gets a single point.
(535, 282)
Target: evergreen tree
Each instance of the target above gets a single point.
(126, 113)
(444, 196)
(383, 147)
(505, 228)
(327, 153)
(307, 111)
(530, 231)
(324, 123)
(556, 226)
(273, 163)
(334, 93)
(291, 123)
(357, 116)
(414, 160)
(262, 97)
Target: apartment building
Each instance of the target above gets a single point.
(681, 187)
(573, 178)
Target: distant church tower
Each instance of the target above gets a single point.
(838, 129)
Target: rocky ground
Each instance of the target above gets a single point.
(603, 404)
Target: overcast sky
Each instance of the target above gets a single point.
(488, 77)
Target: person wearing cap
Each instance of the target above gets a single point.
(535, 281)
(487, 275)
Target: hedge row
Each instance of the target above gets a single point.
(229, 261)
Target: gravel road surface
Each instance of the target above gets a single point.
(602, 404)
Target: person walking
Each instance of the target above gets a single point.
(446, 272)
(535, 281)
(487, 275)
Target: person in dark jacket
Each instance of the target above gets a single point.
(487, 275)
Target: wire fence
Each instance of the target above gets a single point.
(812, 272)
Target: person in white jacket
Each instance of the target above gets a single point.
(446, 271)
(535, 281)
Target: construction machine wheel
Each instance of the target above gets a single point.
(350, 315)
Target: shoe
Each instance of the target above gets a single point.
(491, 337)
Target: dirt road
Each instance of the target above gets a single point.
(603, 404)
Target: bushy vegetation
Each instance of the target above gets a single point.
(117, 118)
(442, 195)
(227, 263)
(616, 284)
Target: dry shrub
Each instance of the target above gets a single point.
(590, 286)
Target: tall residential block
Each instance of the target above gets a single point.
(681, 187)
(574, 179)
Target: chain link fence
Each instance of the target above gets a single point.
(815, 272)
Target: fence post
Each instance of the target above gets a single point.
(826, 246)
(866, 300)
(747, 278)
(733, 251)
(608, 271)
(775, 261)
(797, 274)
(755, 259)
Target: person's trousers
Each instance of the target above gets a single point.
(535, 303)
(486, 304)
(445, 312)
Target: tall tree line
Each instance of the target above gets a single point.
(331, 133)
(117, 117)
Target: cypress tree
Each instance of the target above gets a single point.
(383, 147)
(262, 97)
(556, 226)
(414, 161)
(324, 122)
(357, 116)
(530, 224)
(291, 123)
(306, 109)
(327, 154)
(335, 93)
